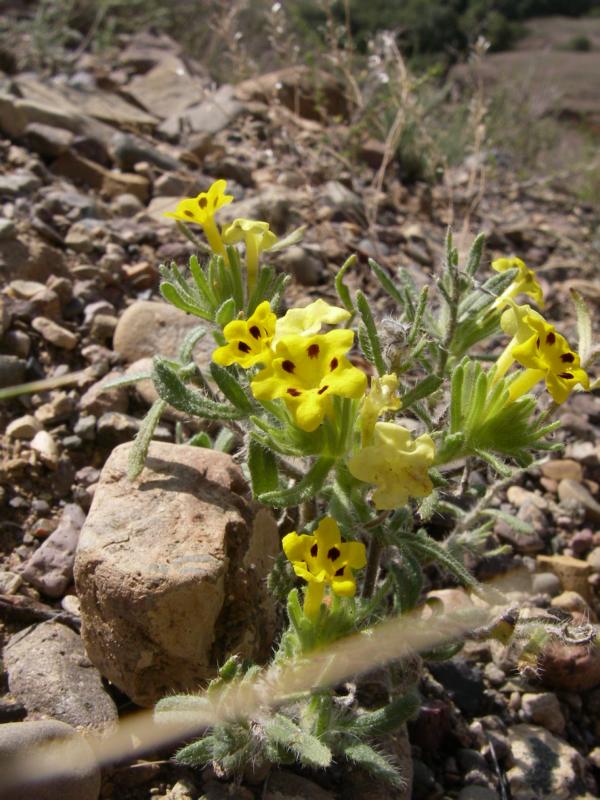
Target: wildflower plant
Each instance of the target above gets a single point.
(359, 429)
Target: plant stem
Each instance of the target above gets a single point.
(373, 559)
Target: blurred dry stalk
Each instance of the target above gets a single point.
(139, 734)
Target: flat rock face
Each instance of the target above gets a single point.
(171, 571)
(50, 674)
(148, 327)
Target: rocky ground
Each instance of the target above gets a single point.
(90, 160)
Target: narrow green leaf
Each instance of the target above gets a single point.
(389, 717)
(341, 288)
(266, 276)
(423, 389)
(280, 730)
(190, 341)
(518, 525)
(198, 754)
(139, 450)
(373, 762)
(416, 323)
(371, 329)
(424, 546)
(173, 296)
(408, 580)
(494, 462)
(201, 439)
(201, 281)
(263, 468)
(387, 283)
(308, 487)
(237, 281)
(474, 257)
(125, 380)
(229, 384)
(225, 312)
(225, 441)
(171, 388)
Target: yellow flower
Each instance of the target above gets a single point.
(201, 210)
(257, 237)
(546, 355)
(323, 560)
(515, 322)
(309, 320)
(381, 397)
(248, 341)
(524, 283)
(306, 371)
(396, 464)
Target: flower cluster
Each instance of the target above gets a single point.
(305, 368)
(322, 559)
(542, 351)
(201, 210)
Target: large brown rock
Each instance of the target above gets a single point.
(171, 569)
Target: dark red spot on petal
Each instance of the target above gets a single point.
(551, 338)
(567, 358)
(313, 351)
(566, 375)
(255, 331)
(333, 364)
(537, 343)
(245, 348)
(339, 573)
(314, 550)
(323, 389)
(294, 392)
(202, 201)
(189, 213)
(288, 366)
(333, 553)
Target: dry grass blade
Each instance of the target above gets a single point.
(141, 734)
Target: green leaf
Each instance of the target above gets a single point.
(389, 717)
(263, 468)
(172, 295)
(229, 384)
(201, 439)
(202, 284)
(584, 327)
(125, 380)
(373, 762)
(518, 525)
(387, 283)
(423, 389)
(171, 388)
(474, 257)
(408, 580)
(225, 441)
(266, 277)
(423, 545)
(341, 288)
(235, 268)
(190, 341)
(371, 330)
(308, 487)
(501, 468)
(139, 450)
(225, 312)
(311, 752)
